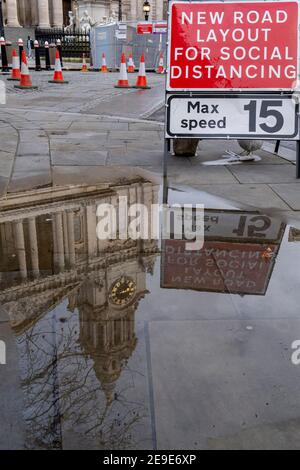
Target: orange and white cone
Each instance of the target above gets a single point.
(123, 78)
(58, 75)
(15, 72)
(84, 66)
(161, 68)
(131, 66)
(25, 80)
(104, 66)
(142, 78)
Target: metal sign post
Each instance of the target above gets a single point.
(230, 74)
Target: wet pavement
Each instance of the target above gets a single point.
(130, 344)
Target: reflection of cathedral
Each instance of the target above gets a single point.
(77, 297)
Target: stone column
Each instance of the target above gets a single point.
(58, 18)
(133, 10)
(60, 241)
(34, 251)
(91, 230)
(12, 13)
(20, 246)
(43, 10)
(70, 220)
(66, 238)
(159, 10)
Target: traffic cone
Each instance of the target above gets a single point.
(104, 66)
(15, 72)
(123, 78)
(25, 81)
(131, 67)
(142, 79)
(84, 66)
(161, 68)
(58, 75)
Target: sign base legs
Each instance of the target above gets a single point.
(297, 159)
(167, 148)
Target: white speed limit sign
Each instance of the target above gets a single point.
(266, 116)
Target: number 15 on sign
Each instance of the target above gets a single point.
(236, 116)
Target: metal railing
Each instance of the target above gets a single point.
(74, 44)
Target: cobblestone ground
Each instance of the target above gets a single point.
(87, 128)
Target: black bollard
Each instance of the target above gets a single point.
(47, 56)
(5, 68)
(59, 48)
(21, 47)
(38, 67)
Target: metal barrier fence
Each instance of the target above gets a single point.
(74, 44)
(112, 41)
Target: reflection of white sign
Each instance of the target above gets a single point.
(267, 116)
(241, 226)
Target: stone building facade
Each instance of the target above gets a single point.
(54, 13)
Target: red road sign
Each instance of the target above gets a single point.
(144, 28)
(236, 45)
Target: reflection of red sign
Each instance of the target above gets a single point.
(233, 45)
(144, 28)
(219, 267)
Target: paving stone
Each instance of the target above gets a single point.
(133, 135)
(79, 157)
(3, 185)
(254, 196)
(70, 136)
(32, 135)
(203, 175)
(36, 147)
(247, 401)
(248, 173)
(63, 175)
(30, 172)
(142, 158)
(74, 146)
(56, 126)
(6, 163)
(144, 126)
(7, 143)
(99, 126)
(290, 193)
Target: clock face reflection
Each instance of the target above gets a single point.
(122, 291)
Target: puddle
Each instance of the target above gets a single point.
(128, 344)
